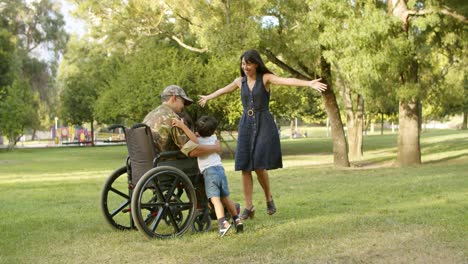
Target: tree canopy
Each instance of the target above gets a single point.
(377, 55)
(26, 80)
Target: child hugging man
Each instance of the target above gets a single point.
(216, 185)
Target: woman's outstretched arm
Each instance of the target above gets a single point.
(226, 89)
(315, 84)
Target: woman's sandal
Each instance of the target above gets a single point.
(271, 208)
(248, 213)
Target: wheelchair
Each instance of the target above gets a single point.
(162, 195)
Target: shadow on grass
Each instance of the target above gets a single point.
(340, 204)
(446, 159)
(444, 146)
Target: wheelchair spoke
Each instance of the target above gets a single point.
(198, 224)
(119, 193)
(159, 194)
(151, 205)
(119, 209)
(157, 219)
(173, 220)
(182, 206)
(170, 192)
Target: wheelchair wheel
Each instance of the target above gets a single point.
(115, 200)
(164, 203)
(202, 222)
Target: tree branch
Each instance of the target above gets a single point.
(445, 11)
(272, 57)
(181, 43)
(307, 70)
(181, 16)
(448, 12)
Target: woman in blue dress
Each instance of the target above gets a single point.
(258, 143)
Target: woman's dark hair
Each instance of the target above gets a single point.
(206, 126)
(252, 56)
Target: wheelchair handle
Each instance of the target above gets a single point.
(113, 127)
(138, 125)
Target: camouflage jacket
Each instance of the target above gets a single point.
(165, 136)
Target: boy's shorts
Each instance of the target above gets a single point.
(216, 184)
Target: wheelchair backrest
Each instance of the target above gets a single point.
(141, 150)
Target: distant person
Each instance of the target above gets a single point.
(258, 144)
(216, 184)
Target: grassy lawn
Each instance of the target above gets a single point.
(372, 212)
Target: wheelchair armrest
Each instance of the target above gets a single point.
(173, 154)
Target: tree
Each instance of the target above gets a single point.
(17, 111)
(354, 40)
(84, 74)
(228, 27)
(32, 25)
(421, 22)
(307, 39)
(7, 50)
(136, 87)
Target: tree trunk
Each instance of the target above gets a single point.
(230, 150)
(232, 136)
(340, 148)
(464, 123)
(354, 123)
(409, 117)
(92, 133)
(33, 137)
(367, 123)
(381, 123)
(409, 151)
(12, 140)
(291, 129)
(356, 151)
(424, 125)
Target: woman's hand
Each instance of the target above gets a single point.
(317, 85)
(203, 99)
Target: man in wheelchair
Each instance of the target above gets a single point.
(164, 190)
(165, 136)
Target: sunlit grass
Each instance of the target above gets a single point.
(373, 212)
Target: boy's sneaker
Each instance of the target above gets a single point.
(239, 226)
(224, 229)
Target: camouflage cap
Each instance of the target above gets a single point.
(177, 90)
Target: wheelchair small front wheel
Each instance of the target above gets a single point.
(202, 221)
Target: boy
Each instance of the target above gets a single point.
(216, 185)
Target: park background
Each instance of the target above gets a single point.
(397, 66)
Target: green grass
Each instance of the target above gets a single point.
(370, 213)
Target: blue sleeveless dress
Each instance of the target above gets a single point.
(258, 143)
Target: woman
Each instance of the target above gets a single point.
(258, 144)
